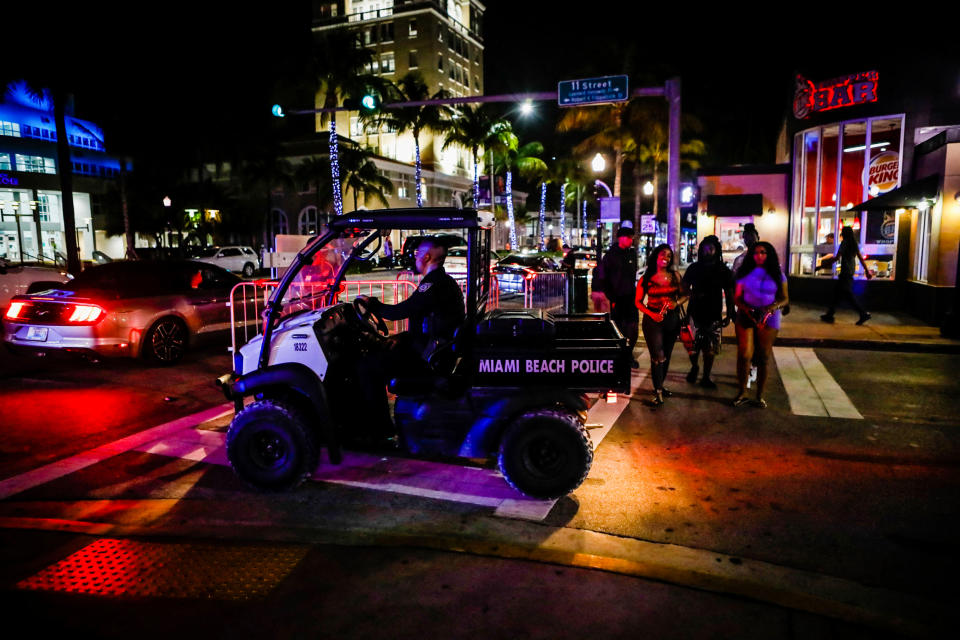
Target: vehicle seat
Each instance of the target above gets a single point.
(443, 376)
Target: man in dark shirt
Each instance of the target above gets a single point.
(709, 282)
(619, 267)
(435, 311)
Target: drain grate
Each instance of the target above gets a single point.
(132, 569)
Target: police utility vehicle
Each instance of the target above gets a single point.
(512, 383)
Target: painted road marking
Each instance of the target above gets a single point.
(409, 476)
(55, 470)
(810, 387)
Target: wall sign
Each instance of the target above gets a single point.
(883, 172)
(8, 180)
(846, 91)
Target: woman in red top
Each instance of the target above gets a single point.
(659, 293)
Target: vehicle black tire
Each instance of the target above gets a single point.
(270, 447)
(545, 454)
(165, 342)
(248, 270)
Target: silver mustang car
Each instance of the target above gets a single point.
(127, 308)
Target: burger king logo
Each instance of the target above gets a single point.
(884, 172)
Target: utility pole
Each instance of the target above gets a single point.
(673, 166)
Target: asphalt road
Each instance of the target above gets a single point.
(870, 501)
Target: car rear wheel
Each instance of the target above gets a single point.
(166, 341)
(270, 446)
(545, 454)
(248, 270)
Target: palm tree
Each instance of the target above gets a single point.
(261, 175)
(362, 176)
(649, 149)
(610, 131)
(412, 88)
(475, 127)
(338, 66)
(315, 170)
(524, 159)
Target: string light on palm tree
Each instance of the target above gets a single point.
(583, 234)
(335, 169)
(543, 213)
(563, 206)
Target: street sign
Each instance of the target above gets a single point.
(610, 209)
(575, 93)
(648, 224)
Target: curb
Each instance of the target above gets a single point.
(863, 345)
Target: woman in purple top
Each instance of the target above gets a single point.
(761, 293)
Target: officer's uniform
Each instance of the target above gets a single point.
(620, 286)
(435, 311)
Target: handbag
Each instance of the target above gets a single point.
(686, 331)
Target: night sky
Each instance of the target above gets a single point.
(165, 78)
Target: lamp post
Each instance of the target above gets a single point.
(167, 202)
(648, 191)
(598, 164)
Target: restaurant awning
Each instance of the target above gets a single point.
(745, 204)
(907, 196)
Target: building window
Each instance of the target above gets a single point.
(278, 222)
(35, 164)
(368, 36)
(386, 32)
(412, 62)
(412, 29)
(836, 167)
(308, 224)
(5, 162)
(9, 129)
(386, 63)
(47, 205)
(440, 63)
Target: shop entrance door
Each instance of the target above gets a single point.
(730, 232)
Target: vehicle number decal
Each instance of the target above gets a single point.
(299, 346)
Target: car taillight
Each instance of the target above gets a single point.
(529, 274)
(15, 308)
(591, 264)
(85, 313)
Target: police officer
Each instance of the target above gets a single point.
(435, 311)
(619, 267)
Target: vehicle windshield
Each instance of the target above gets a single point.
(457, 252)
(311, 285)
(523, 261)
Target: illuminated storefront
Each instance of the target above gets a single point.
(877, 151)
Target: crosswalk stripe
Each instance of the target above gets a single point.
(804, 400)
(834, 398)
(811, 389)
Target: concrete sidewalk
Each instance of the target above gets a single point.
(885, 331)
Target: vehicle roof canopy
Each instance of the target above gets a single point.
(409, 218)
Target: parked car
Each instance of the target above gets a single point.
(456, 262)
(126, 309)
(18, 279)
(514, 269)
(584, 259)
(410, 244)
(235, 258)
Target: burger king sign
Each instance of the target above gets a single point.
(883, 172)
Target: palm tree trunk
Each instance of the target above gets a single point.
(563, 206)
(618, 164)
(476, 180)
(543, 215)
(510, 220)
(637, 203)
(417, 173)
(656, 190)
(65, 169)
(335, 167)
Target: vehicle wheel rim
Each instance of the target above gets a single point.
(543, 457)
(167, 342)
(268, 450)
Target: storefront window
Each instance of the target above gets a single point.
(835, 168)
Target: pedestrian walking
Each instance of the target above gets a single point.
(709, 283)
(760, 295)
(388, 252)
(847, 255)
(659, 293)
(750, 237)
(619, 285)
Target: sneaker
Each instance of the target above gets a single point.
(863, 318)
(752, 377)
(666, 393)
(827, 318)
(707, 383)
(692, 376)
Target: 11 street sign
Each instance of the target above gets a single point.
(574, 93)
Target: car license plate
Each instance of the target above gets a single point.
(39, 334)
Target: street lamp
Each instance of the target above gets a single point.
(648, 188)
(526, 107)
(598, 164)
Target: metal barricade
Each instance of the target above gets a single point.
(253, 295)
(388, 291)
(547, 291)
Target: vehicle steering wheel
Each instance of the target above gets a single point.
(369, 321)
